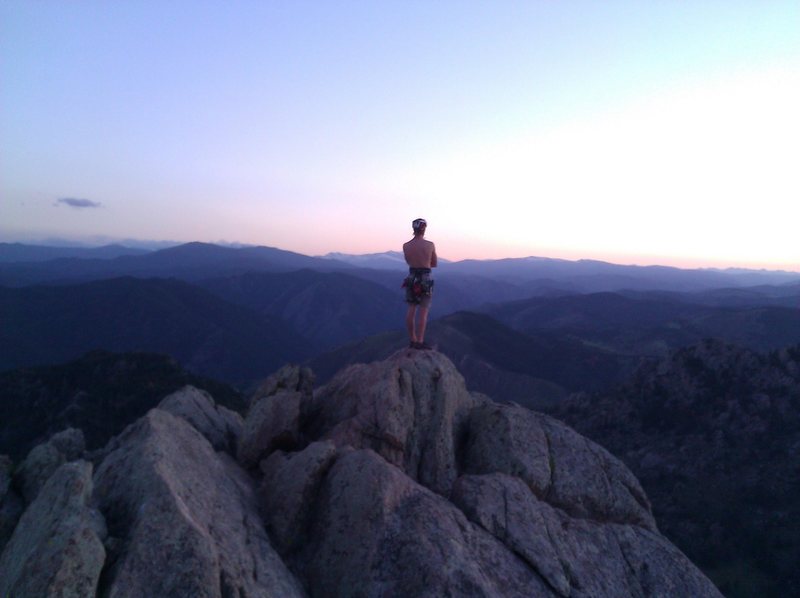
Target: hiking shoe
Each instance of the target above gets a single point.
(424, 346)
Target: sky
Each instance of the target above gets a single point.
(635, 132)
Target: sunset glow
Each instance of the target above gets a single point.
(632, 132)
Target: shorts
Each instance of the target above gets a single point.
(419, 288)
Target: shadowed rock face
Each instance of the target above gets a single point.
(220, 426)
(559, 465)
(57, 548)
(412, 410)
(380, 533)
(186, 517)
(391, 480)
(44, 459)
(11, 503)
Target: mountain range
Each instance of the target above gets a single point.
(267, 307)
(193, 261)
(653, 323)
(327, 308)
(611, 349)
(41, 325)
(19, 252)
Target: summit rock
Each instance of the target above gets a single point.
(392, 479)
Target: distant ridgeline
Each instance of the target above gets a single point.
(550, 326)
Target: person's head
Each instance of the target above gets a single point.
(419, 225)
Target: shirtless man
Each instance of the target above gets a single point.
(421, 257)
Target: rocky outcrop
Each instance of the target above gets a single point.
(57, 547)
(289, 489)
(170, 498)
(45, 458)
(413, 410)
(273, 418)
(11, 503)
(220, 426)
(391, 480)
(558, 465)
(379, 533)
(414, 486)
(291, 378)
(577, 556)
(272, 423)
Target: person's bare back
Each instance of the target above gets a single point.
(420, 253)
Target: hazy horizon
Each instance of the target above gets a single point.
(154, 245)
(628, 132)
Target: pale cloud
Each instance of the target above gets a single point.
(75, 202)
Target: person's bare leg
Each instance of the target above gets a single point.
(410, 322)
(422, 323)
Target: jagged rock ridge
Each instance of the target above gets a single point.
(391, 480)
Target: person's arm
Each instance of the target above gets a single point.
(434, 261)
